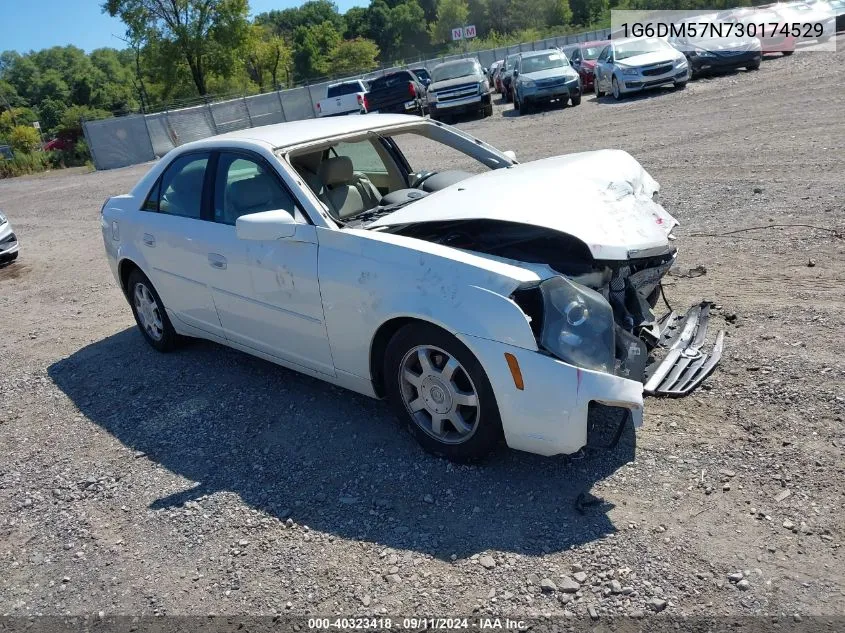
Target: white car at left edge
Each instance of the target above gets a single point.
(9, 246)
(483, 306)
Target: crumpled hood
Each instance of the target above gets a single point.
(604, 198)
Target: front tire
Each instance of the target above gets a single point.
(436, 385)
(576, 100)
(149, 313)
(596, 89)
(617, 93)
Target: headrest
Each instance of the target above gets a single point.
(311, 161)
(252, 192)
(335, 171)
(189, 180)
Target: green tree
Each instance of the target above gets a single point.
(587, 12)
(450, 14)
(50, 113)
(357, 23)
(71, 122)
(204, 32)
(24, 138)
(351, 57)
(265, 56)
(311, 47)
(313, 13)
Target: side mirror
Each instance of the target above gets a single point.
(266, 225)
(510, 154)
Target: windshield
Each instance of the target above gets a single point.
(359, 180)
(536, 63)
(591, 52)
(639, 47)
(462, 69)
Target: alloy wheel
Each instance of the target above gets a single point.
(148, 313)
(439, 394)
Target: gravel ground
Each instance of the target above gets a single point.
(207, 481)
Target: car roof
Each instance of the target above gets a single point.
(455, 62)
(545, 51)
(628, 40)
(296, 132)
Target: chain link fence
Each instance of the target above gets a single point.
(139, 138)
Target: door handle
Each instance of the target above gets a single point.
(149, 240)
(217, 261)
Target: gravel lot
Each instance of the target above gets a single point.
(208, 481)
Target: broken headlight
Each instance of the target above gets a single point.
(577, 325)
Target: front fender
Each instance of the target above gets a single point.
(367, 279)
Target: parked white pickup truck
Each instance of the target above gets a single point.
(344, 98)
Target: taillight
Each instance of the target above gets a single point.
(366, 103)
(360, 99)
(411, 90)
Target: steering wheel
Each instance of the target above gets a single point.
(418, 178)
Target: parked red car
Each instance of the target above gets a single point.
(61, 143)
(583, 57)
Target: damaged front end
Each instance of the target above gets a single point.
(592, 313)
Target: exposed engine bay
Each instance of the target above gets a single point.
(664, 353)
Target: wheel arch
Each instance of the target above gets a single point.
(382, 337)
(124, 269)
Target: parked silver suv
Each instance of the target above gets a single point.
(542, 77)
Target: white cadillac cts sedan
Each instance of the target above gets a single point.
(504, 304)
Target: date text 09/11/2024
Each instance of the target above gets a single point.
(384, 623)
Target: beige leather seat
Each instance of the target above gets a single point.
(251, 195)
(346, 193)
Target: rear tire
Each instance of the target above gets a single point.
(149, 313)
(426, 393)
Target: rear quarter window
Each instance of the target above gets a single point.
(343, 89)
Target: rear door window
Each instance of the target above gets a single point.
(179, 189)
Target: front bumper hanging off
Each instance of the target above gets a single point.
(684, 365)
